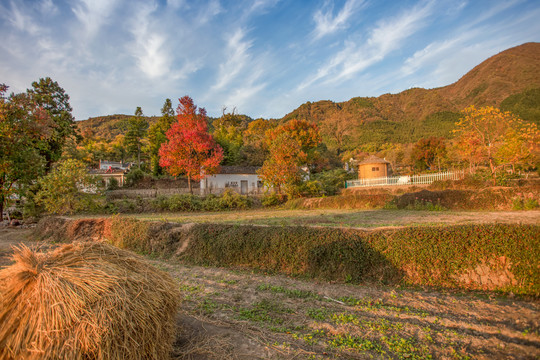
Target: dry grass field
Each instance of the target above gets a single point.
(348, 218)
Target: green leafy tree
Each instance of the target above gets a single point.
(156, 135)
(24, 131)
(49, 96)
(526, 105)
(255, 149)
(136, 128)
(228, 130)
(66, 188)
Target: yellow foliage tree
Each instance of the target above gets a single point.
(488, 135)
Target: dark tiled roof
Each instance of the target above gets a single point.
(110, 171)
(374, 160)
(238, 170)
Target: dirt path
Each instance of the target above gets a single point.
(228, 314)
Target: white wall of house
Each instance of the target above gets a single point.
(241, 183)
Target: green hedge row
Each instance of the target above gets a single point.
(500, 257)
(436, 256)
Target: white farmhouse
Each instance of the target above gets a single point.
(242, 179)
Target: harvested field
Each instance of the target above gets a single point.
(368, 219)
(228, 314)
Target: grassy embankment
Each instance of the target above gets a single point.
(500, 257)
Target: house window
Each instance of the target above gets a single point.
(259, 184)
(375, 168)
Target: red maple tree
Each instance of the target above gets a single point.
(190, 149)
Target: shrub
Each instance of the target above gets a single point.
(160, 203)
(519, 203)
(273, 200)
(211, 203)
(66, 188)
(311, 188)
(134, 176)
(531, 204)
(185, 202)
(113, 184)
(425, 205)
(230, 200)
(30, 208)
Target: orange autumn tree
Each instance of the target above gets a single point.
(190, 150)
(281, 169)
(307, 134)
(291, 146)
(490, 136)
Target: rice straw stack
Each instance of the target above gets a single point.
(85, 300)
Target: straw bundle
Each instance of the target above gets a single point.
(85, 301)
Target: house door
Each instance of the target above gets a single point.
(243, 187)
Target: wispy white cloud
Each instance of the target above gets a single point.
(21, 19)
(493, 10)
(236, 58)
(208, 12)
(242, 95)
(260, 6)
(150, 49)
(94, 13)
(113, 55)
(445, 61)
(325, 21)
(387, 36)
(47, 7)
(177, 4)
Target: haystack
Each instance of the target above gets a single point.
(85, 301)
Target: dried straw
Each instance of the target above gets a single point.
(85, 301)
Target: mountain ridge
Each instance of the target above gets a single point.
(410, 114)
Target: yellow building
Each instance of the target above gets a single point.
(373, 167)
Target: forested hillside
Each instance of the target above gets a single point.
(395, 126)
(510, 79)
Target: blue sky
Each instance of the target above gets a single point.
(264, 57)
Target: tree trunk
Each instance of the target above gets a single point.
(493, 172)
(189, 184)
(1, 208)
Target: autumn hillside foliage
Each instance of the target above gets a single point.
(387, 125)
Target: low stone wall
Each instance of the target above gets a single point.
(147, 193)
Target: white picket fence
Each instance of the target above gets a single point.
(407, 179)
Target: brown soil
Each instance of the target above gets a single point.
(228, 314)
